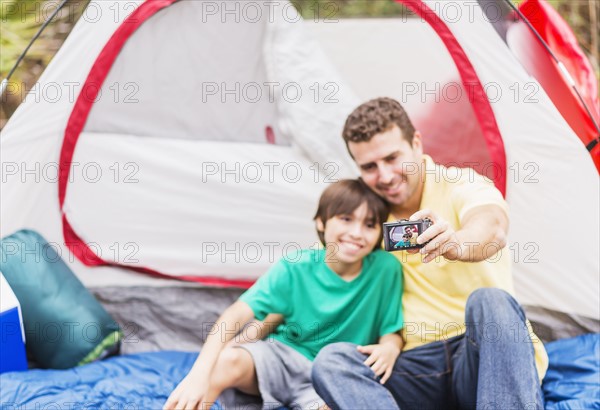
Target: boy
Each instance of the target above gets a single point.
(349, 291)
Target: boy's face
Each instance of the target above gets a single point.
(389, 164)
(350, 237)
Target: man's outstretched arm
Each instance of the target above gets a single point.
(483, 233)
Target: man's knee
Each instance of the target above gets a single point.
(493, 307)
(490, 298)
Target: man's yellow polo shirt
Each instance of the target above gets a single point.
(435, 293)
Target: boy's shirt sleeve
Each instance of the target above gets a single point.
(271, 292)
(393, 317)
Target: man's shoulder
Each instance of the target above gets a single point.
(455, 176)
(459, 184)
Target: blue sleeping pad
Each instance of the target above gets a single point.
(573, 377)
(132, 382)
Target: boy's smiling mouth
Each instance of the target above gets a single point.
(351, 245)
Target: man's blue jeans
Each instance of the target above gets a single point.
(490, 366)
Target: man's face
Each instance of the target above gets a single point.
(390, 165)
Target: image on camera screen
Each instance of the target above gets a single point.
(402, 237)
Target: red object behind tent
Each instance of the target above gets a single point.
(537, 60)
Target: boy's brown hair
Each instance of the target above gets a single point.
(377, 116)
(344, 196)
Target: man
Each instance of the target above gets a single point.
(467, 341)
(412, 235)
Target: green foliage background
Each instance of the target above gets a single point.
(20, 20)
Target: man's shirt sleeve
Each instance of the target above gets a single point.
(473, 190)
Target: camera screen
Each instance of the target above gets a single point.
(402, 237)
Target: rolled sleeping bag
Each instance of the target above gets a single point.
(65, 326)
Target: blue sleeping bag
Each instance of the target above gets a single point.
(145, 380)
(573, 377)
(132, 382)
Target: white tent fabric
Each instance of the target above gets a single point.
(175, 209)
(216, 219)
(202, 76)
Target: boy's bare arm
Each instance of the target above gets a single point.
(393, 338)
(258, 329)
(383, 355)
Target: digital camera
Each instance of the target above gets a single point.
(402, 235)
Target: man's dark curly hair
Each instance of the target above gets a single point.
(377, 116)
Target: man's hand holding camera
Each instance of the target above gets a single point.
(440, 238)
(482, 234)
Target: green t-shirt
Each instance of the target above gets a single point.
(320, 308)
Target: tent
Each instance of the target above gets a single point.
(191, 140)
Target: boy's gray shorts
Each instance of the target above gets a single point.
(283, 376)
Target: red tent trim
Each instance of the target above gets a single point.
(478, 98)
